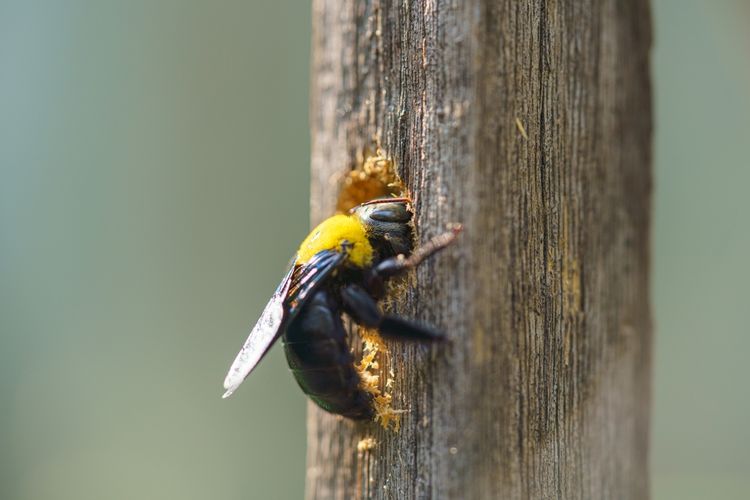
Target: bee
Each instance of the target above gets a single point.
(341, 267)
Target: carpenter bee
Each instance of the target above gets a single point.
(341, 267)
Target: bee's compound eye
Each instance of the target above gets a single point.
(396, 212)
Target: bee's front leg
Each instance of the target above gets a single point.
(400, 264)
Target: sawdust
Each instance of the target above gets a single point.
(366, 444)
(375, 178)
(369, 369)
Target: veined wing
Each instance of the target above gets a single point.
(295, 289)
(261, 338)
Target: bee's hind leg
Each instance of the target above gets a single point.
(365, 311)
(404, 329)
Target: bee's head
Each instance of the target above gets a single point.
(388, 225)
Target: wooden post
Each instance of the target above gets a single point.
(530, 123)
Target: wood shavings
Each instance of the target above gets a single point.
(370, 380)
(375, 178)
(366, 444)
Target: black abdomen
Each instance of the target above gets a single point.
(321, 361)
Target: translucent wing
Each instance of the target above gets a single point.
(297, 286)
(262, 336)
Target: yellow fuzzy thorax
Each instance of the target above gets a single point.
(332, 233)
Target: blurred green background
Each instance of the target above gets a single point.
(154, 182)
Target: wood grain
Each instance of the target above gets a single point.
(530, 123)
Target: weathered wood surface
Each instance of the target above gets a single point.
(544, 391)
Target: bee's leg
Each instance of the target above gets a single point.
(400, 264)
(360, 305)
(364, 310)
(404, 329)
